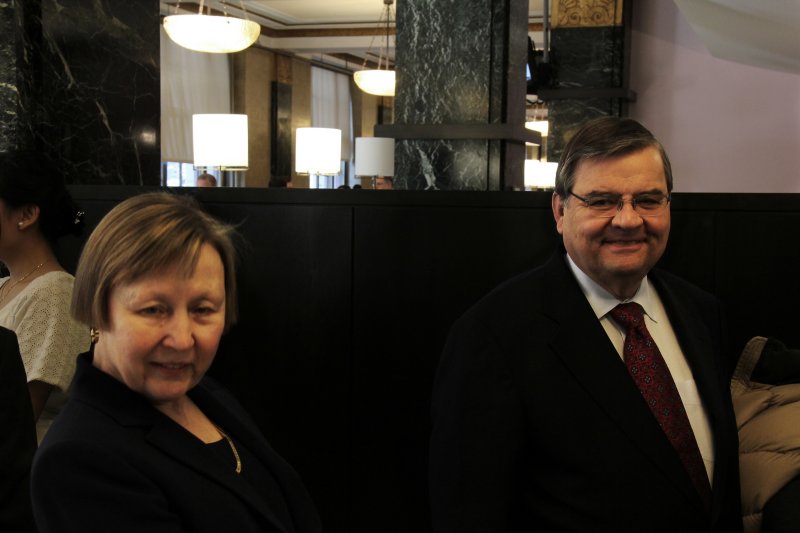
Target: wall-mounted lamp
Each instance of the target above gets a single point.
(220, 141)
(318, 151)
(211, 33)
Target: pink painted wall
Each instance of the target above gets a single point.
(727, 127)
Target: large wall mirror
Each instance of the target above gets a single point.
(298, 74)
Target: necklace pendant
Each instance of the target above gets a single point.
(238, 468)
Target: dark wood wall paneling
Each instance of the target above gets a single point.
(347, 297)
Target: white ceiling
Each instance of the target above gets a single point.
(316, 13)
(329, 13)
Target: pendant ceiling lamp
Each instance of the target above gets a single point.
(379, 81)
(212, 33)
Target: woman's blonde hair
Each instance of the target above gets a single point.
(144, 235)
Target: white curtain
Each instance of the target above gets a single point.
(330, 105)
(191, 82)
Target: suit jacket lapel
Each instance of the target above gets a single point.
(595, 363)
(697, 346)
(185, 448)
(215, 404)
(699, 350)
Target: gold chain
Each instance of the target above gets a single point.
(23, 278)
(233, 449)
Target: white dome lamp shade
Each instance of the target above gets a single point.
(212, 34)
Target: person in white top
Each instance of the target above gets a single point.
(35, 211)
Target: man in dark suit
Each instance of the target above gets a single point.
(17, 438)
(542, 419)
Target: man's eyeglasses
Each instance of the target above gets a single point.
(608, 205)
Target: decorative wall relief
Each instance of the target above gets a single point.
(283, 69)
(586, 13)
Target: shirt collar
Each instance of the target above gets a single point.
(603, 301)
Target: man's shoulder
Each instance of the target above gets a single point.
(525, 293)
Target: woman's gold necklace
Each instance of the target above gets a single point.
(20, 280)
(233, 449)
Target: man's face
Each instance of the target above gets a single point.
(615, 252)
(382, 183)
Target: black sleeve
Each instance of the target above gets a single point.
(478, 438)
(78, 486)
(17, 438)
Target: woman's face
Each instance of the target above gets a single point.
(164, 330)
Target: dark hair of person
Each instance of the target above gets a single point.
(28, 178)
(605, 138)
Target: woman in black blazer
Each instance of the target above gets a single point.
(146, 442)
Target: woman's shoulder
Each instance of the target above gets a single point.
(55, 278)
(52, 287)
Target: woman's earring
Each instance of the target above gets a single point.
(20, 224)
(95, 334)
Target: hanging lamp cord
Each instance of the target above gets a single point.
(386, 50)
(388, 8)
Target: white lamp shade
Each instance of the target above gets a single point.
(377, 82)
(211, 33)
(374, 156)
(318, 151)
(540, 174)
(220, 141)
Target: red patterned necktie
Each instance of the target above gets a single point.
(650, 373)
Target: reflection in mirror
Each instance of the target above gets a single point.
(297, 74)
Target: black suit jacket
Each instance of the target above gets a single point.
(112, 462)
(17, 438)
(538, 427)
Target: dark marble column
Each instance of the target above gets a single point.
(20, 40)
(100, 106)
(460, 98)
(589, 53)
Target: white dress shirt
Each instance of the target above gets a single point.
(660, 329)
